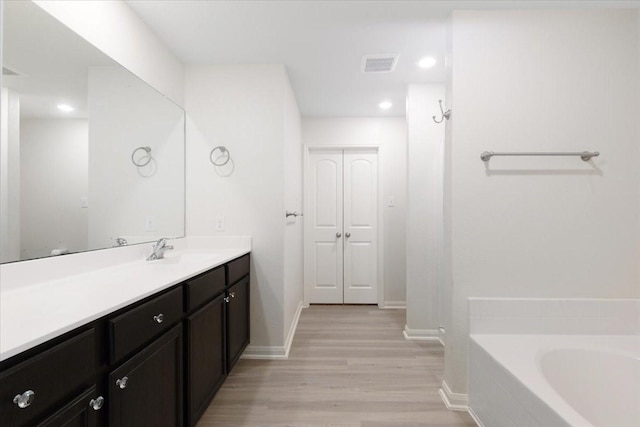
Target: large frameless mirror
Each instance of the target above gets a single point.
(91, 156)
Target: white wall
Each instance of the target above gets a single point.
(10, 176)
(542, 227)
(124, 114)
(250, 110)
(390, 135)
(425, 161)
(53, 166)
(293, 229)
(115, 29)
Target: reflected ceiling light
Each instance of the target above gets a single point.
(427, 62)
(385, 105)
(66, 108)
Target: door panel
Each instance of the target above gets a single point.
(238, 324)
(359, 265)
(341, 235)
(327, 193)
(325, 271)
(360, 227)
(360, 193)
(324, 252)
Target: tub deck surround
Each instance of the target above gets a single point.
(523, 351)
(42, 299)
(507, 385)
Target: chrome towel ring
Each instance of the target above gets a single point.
(221, 159)
(141, 161)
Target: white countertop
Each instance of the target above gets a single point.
(38, 311)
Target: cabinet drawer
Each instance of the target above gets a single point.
(137, 326)
(237, 269)
(49, 377)
(204, 287)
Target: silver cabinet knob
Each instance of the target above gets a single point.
(25, 399)
(232, 294)
(158, 318)
(227, 299)
(96, 403)
(122, 382)
(347, 234)
(338, 235)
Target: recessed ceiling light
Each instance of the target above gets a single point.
(385, 105)
(427, 62)
(66, 108)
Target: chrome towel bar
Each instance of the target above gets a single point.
(584, 155)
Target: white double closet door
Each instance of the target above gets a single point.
(341, 247)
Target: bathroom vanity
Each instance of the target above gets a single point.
(157, 361)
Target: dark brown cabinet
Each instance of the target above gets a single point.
(137, 326)
(42, 383)
(147, 389)
(158, 362)
(237, 320)
(206, 361)
(84, 411)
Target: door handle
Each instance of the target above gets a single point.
(347, 235)
(338, 235)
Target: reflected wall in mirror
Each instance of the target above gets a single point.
(71, 119)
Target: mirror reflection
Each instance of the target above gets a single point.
(91, 156)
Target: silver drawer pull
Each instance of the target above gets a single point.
(122, 383)
(25, 399)
(96, 403)
(227, 299)
(232, 294)
(158, 318)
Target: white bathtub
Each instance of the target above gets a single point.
(554, 380)
(602, 386)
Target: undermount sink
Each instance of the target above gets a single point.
(187, 258)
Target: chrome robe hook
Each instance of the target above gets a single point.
(445, 114)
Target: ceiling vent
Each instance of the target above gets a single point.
(8, 72)
(381, 63)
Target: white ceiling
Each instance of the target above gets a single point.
(52, 62)
(322, 42)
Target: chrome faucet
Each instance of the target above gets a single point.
(159, 248)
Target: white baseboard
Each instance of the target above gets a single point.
(475, 418)
(454, 401)
(441, 335)
(275, 352)
(393, 305)
(292, 328)
(420, 334)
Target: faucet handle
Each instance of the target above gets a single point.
(162, 242)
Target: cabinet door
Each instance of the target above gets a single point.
(237, 321)
(84, 411)
(206, 368)
(147, 389)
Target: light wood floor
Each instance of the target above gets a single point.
(348, 366)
